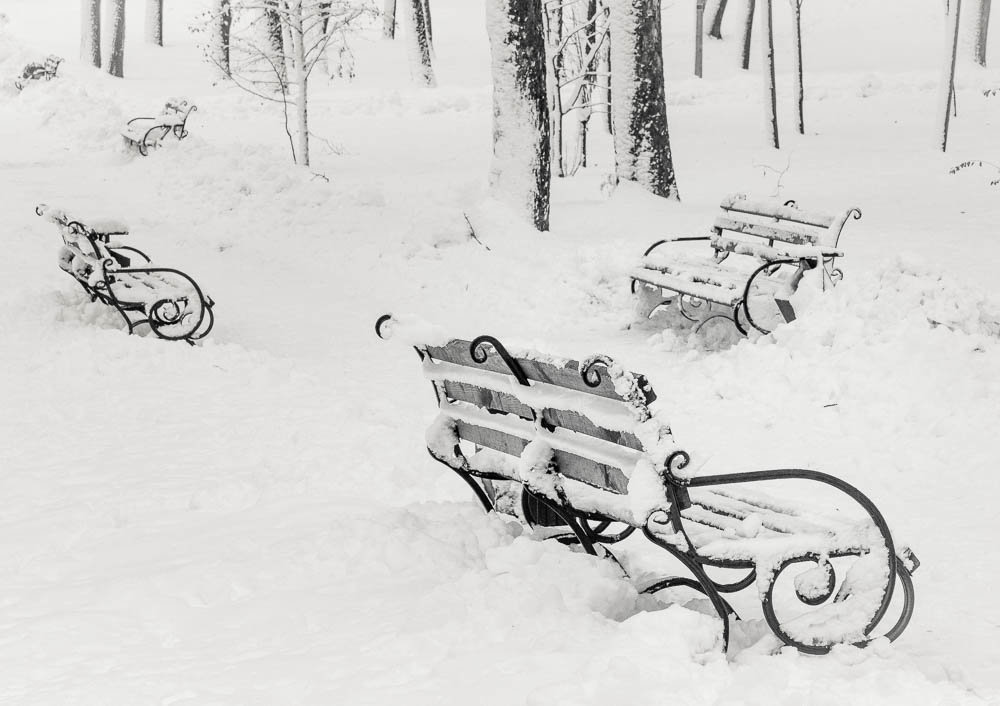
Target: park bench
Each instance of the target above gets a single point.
(36, 71)
(574, 445)
(144, 134)
(759, 251)
(122, 277)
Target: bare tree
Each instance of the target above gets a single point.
(577, 34)
(716, 28)
(154, 22)
(770, 90)
(520, 174)
(389, 19)
(954, 21)
(90, 32)
(748, 32)
(116, 58)
(283, 78)
(638, 100)
(799, 89)
(982, 30)
(419, 42)
(223, 24)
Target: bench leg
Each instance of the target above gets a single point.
(648, 299)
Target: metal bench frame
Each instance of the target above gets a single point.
(592, 530)
(37, 71)
(170, 318)
(164, 124)
(781, 241)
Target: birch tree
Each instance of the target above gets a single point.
(281, 74)
(90, 32)
(154, 22)
(116, 57)
(222, 24)
(982, 30)
(638, 100)
(520, 173)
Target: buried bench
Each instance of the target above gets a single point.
(122, 277)
(143, 134)
(759, 251)
(37, 71)
(561, 443)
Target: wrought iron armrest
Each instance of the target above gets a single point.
(683, 239)
(135, 119)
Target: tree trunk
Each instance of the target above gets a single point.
(223, 27)
(748, 32)
(949, 89)
(716, 28)
(154, 22)
(420, 49)
(699, 36)
(116, 59)
(275, 37)
(604, 66)
(389, 19)
(642, 141)
(521, 171)
(982, 31)
(770, 91)
(90, 32)
(428, 25)
(299, 89)
(799, 88)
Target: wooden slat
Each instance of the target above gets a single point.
(570, 465)
(776, 210)
(762, 231)
(567, 376)
(497, 401)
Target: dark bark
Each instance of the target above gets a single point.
(224, 26)
(767, 40)
(116, 59)
(520, 108)
(716, 29)
(276, 39)
(425, 70)
(642, 140)
(982, 31)
(748, 32)
(428, 25)
(389, 19)
(90, 32)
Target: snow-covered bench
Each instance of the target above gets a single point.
(759, 251)
(143, 134)
(561, 443)
(167, 300)
(36, 71)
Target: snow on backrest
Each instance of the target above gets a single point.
(598, 433)
(774, 220)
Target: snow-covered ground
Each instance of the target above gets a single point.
(256, 521)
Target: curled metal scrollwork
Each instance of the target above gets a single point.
(589, 372)
(855, 213)
(382, 321)
(477, 349)
(677, 461)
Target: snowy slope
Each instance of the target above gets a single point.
(256, 521)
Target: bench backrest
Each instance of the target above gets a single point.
(593, 415)
(774, 220)
(52, 63)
